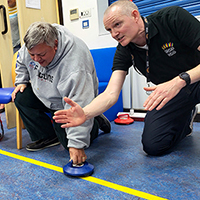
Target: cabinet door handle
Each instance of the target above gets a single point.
(4, 19)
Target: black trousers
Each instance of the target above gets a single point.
(38, 123)
(166, 127)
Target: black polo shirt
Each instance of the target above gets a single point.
(174, 36)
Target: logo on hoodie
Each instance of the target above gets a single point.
(33, 65)
(46, 77)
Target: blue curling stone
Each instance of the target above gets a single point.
(85, 169)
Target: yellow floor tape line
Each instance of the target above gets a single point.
(89, 178)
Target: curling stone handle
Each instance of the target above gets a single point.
(75, 165)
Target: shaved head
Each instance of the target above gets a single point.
(125, 7)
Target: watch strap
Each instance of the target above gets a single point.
(186, 77)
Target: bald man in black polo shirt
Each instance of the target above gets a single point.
(165, 48)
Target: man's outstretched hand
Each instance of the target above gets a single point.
(74, 116)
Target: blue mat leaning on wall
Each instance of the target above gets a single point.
(103, 61)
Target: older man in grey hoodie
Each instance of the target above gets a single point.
(51, 65)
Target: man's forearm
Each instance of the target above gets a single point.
(99, 105)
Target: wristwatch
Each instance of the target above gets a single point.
(186, 77)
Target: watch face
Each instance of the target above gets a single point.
(183, 76)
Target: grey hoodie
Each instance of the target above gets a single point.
(71, 73)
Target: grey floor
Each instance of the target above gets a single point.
(122, 169)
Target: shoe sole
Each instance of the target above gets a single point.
(192, 120)
(107, 124)
(51, 145)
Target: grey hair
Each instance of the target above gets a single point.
(126, 7)
(40, 32)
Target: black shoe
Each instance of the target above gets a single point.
(42, 144)
(104, 123)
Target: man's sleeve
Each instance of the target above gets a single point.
(122, 59)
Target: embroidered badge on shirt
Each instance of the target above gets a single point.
(32, 65)
(169, 49)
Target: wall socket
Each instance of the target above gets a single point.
(85, 13)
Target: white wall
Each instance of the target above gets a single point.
(91, 35)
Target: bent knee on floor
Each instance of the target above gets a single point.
(154, 148)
